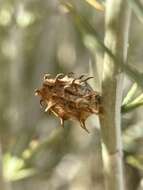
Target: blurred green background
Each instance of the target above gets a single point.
(38, 37)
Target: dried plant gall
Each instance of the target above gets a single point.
(69, 97)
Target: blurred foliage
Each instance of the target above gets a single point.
(14, 168)
(39, 37)
(129, 103)
(137, 8)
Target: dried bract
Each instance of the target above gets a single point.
(69, 97)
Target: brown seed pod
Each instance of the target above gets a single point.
(69, 97)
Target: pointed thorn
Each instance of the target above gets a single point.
(62, 122)
(84, 80)
(37, 92)
(82, 123)
(81, 76)
(73, 81)
(59, 76)
(41, 101)
(47, 76)
(50, 105)
(47, 109)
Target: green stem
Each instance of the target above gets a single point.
(116, 39)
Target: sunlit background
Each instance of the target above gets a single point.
(38, 37)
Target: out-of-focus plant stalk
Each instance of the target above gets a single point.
(137, 102)
(2, 183)
(117, 19)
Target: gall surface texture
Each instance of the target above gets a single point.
(69, 97)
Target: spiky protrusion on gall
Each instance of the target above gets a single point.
(69, 97)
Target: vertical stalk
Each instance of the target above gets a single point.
(2, 182)
(117, 18)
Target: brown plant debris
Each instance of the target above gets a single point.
(69, 97)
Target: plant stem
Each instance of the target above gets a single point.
(117, 19)
(2, 183)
